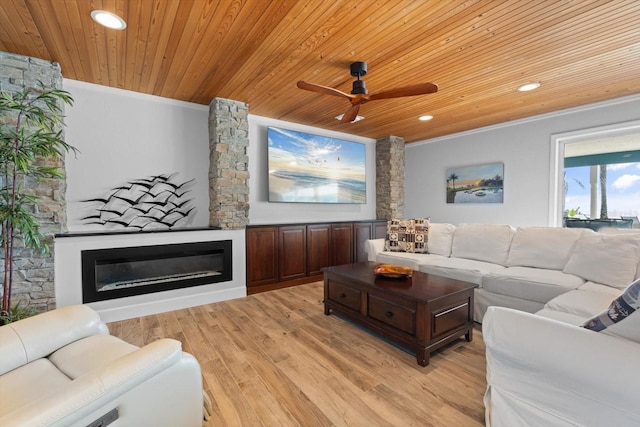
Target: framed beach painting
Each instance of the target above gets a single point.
(476, 184)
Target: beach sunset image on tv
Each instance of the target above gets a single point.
(308, 168)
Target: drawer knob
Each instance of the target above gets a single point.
(342, 295)
(389, 313)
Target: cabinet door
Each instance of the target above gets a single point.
(379, 229)
(362, 232)
(292, 249)
(262, 255)
(318, 253)
(341, 244)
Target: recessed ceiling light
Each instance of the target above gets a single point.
(108, 19)
(357, 119)
(528, 87)
(425, 118)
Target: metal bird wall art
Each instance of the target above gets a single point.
(151, 203)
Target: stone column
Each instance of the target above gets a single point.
(228, 164)
(33, 275)
(390, 177)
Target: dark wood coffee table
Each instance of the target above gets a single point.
(423, 313)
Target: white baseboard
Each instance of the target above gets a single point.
(129, 308)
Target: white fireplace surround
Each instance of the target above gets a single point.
(68, 273)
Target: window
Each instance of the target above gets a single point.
(596, 177)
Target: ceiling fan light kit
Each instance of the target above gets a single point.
(359, 94)
(357, 119)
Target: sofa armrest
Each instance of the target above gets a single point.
(549, 373)
(373, 247)
(38, 336)
(95, 393)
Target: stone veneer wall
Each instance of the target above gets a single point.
(33, 279)
(228, 166)
(390, 177)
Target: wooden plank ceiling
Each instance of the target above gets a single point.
(255, 51)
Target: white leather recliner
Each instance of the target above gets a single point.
(62, 368)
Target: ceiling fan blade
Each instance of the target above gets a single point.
(419, 89)
(323, 89)
(350, 115)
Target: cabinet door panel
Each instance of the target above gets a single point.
(380, 230)
(262, 255)
(292, 242)
(318, 252)
(362, 232)
(341, 244)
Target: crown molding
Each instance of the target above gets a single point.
(70, 84)
(553, 114)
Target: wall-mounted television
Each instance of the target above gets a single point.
(307, 168)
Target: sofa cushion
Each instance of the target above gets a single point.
(28, 383)
(534, 284)
(622, 318)
(608, 259)
(581, 303)
(598, 287)
(543, 247)
(468, 270)
(407, 235)
(440, 238)
(482, 242)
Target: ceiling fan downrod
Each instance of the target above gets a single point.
(359, 69)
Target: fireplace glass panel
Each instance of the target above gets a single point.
(123, 273)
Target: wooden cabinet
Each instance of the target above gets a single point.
(341, 243)
(318, 248)
(380, 229)
(283, 255)
(363, 231)
(292, 252)
(262, 255)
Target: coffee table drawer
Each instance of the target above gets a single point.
(450, 318)
(344, 295)
(399, 316)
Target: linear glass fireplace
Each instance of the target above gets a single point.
(122, 272)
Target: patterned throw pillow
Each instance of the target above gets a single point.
(407, 235)
(620, 309)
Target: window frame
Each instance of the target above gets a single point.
(557, 149)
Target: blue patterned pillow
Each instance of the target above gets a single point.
(621, 308)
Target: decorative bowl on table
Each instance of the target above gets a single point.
(392, 271)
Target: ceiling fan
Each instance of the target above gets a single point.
(359, 94)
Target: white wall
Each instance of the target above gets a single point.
(524, 148)
(263, 212)
(125, 135)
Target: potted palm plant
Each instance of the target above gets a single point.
(31, 146)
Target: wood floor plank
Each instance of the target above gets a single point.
(287, 392)
(275, 358)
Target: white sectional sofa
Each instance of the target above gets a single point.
(538, 286)
(567, 274)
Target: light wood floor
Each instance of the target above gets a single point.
(275, 359)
